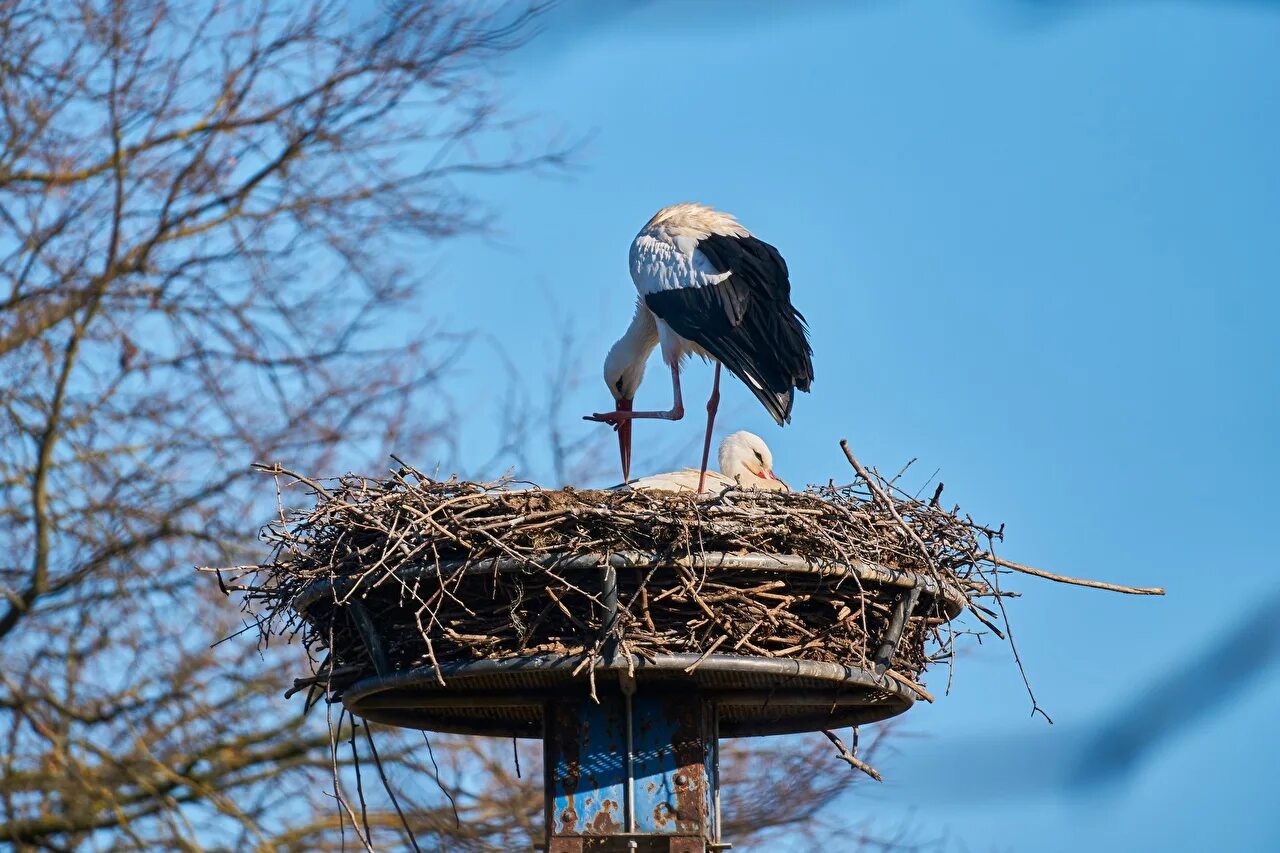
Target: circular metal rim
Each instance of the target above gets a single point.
(952, 598)
(408, 708)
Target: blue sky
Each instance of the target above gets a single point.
(1037, 245)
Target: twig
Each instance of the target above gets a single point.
(888, 503)
(390, 791)
(457, 821)
(1041, 573)
(355, 763)
(337, 784)
(1013, 647)
(987, 623)
(719, 640)
(910, 685)
(846, 755)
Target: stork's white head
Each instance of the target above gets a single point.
(624, 370)
(746, 458)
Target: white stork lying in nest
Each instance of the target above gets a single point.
(745, 463)
(707, 287)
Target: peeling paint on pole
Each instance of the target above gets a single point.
(672, 768)
(673, 748)
(585, 750)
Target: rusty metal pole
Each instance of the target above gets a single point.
(656, 795)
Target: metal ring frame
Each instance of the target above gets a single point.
(952, 598)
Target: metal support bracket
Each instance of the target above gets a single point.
(369, 636)
(897, 625)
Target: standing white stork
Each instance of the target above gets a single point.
(708, 287)
(745, 463)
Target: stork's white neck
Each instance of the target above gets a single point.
(624, 365)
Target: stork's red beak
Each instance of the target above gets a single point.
(624, 440)
(767, 474)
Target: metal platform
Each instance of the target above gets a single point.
(752, 695)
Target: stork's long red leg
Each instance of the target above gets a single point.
(712, 405)
(675, 413)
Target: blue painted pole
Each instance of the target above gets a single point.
(636, 771)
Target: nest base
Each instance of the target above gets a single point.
(509, 697)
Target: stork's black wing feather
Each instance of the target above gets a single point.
(747, 321)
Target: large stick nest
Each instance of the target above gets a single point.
(421, 560)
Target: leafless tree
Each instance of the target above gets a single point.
(212, 222)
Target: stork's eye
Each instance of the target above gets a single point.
(758, 456)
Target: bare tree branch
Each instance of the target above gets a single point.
(213, 218)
